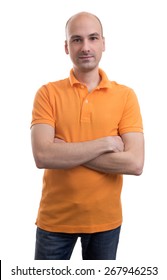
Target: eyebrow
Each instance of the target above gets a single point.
(90, 35)
(75, 37)
(94, 34)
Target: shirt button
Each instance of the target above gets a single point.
(86, 101)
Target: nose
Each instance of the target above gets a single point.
(85, 46)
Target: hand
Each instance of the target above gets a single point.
(115, 143)
(58, 140)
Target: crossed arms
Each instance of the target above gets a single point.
(111, 154)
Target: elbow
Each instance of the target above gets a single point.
(137, 168)
(39, 165)
(138, 171)
(39, 161)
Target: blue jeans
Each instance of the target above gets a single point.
(59, 246)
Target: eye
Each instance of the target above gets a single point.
(76, 40)
(93, 38)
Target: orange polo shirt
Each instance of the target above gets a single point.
(81, 200)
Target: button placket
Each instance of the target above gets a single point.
(86, 106)
(86, 110)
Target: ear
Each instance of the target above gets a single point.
(66, 47)
(104, 45)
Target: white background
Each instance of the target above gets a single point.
(32, 54)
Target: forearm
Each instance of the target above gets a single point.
(69, 155)
(54, 153)
(117, 163)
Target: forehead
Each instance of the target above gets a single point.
(83, 25)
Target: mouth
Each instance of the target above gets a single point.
(85, 57)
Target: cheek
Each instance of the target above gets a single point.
(73, 53)
(73, 56)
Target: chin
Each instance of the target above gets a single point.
(87, 67)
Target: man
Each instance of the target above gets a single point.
(86, 132)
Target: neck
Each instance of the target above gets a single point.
(91, 79)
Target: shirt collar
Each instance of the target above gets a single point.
(104, 83)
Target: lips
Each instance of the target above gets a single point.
(85, 56)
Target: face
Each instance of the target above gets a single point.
(84, 42)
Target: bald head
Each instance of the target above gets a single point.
(83, 15)
(84, 41)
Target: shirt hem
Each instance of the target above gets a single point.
(79, 229)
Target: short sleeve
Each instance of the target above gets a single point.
(131, 120)
(43, 111)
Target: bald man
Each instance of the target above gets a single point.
(86, 133)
